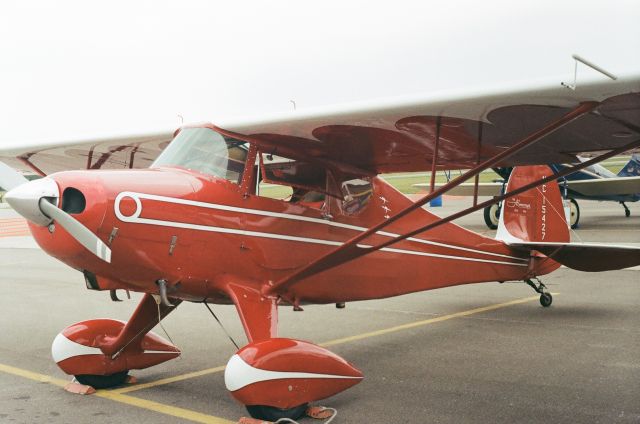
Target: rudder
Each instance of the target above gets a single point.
(536, 215)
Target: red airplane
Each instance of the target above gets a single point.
(194, 226)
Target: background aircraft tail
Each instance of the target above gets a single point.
(537, 215)
(632, 168)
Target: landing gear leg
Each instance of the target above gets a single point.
(627, 212)
(545, 297)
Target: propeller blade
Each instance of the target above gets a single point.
(81, 233)
(10, 178)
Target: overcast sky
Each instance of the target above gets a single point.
(79, 69)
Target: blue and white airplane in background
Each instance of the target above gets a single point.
(592, 183)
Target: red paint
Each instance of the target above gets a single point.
(536, 214)
(214, 240)
(99, 333)
(288, 356)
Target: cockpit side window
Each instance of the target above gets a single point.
(205, 151)
(292, 180)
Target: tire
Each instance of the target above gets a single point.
(271, 413)
(103, 381)
(574, 214)
(546, 299)
(492, 216)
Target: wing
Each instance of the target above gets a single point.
(467, 189)
(619, 186)
(588, 257)
(137, 151)
(400, 135)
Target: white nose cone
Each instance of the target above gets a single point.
(25, 199)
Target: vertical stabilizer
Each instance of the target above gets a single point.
(632, 168)
(537, 215)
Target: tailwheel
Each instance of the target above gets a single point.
(271, 413)
(103, 381)
(545, 297)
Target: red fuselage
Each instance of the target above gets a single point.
(200, 233)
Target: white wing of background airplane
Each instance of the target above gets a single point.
(607, 186)
(617, 186)
(399, 134)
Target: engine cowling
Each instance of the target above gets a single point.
(77, 349)
(285, 373)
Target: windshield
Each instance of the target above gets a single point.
(205, 151)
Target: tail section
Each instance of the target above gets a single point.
(534, 221)
(537, 215)
(632, 168)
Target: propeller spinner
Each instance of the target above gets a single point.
(37, 202)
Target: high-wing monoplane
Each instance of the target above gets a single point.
(194, 226)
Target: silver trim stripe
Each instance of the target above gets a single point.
(135, 218)
(137, 196)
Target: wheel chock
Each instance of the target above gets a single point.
(79, 389)
(82, 389)
(247, 420)
(320, 412)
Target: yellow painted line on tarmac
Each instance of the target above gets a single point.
(168, 380)
(428, 321)
(161, 408)
(340, 341)
(40, 378)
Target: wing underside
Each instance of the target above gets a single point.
(399, 135)
(109, 153)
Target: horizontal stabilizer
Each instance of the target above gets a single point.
(590, 257)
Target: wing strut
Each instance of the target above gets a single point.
(434, 159)
(350, 250)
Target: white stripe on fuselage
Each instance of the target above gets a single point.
(135, 218)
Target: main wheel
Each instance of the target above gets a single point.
(546, 299)
(103, 381)
(574, 214)
(271, 413)
(492, 215)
